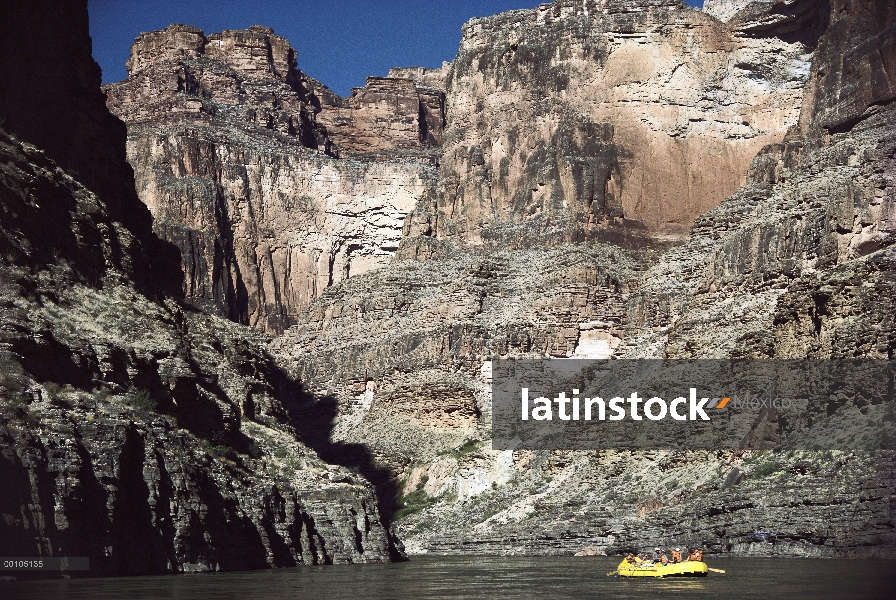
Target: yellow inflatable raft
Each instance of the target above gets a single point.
(690, 568)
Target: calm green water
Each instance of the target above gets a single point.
(491, 577)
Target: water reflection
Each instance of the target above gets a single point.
(433, 577)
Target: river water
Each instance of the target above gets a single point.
(490, 577)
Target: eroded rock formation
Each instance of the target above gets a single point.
(229, 144)
(388, 117)
(599, 120)
(434, 78)
(795, 263)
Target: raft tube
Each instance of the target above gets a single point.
(689, 568)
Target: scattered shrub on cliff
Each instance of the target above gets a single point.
(648, 505)
(765, 469)
(253, 450)
(415, 501)
(52, 390)
(11, 257)
(468, 447)
(141, 399)
(33, 416)
(12, 376)
(17, 406)
(220, 451)
(101, 394)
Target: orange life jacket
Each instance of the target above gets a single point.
(676, 556)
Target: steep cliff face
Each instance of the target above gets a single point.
(91, 143)
(264, 226)
(388, 117)
(404, 350)
(598, 120)
(796, 263)
(134, 429)
(219, 131)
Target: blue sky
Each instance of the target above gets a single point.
(338, 42)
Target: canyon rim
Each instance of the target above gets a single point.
(248, 323)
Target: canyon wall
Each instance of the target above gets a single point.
(388, 117)
(135, 430)
(233, 150)
(589, 202)
(796, 263)
(606, 121)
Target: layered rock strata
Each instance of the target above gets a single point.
(797, 263)
(433, 78)
(264, 226)
(403, 351)
(219, 131)
(135, 430)
(389, 116)
(601, 120)
(803, 251)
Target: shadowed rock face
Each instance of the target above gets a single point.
(51, 98)
(134, 429)
(582, 120)
(852, 78)
(230, 144)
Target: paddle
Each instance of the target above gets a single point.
(716, 570)
(612, 573)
